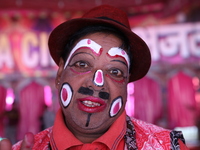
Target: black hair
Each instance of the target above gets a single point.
(93, 29)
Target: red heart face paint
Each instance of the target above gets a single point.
(98, 78)
(66, 94)
(115, 106)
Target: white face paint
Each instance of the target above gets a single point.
(96, 48)
(98, 78)
(115, 106)
(66, 94)
(116, 51)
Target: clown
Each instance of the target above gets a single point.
(97, 56)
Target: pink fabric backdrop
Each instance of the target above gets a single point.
(31, 107)
(3, 93)
(148, 102)
(181, 101)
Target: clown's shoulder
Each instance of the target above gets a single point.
(150, 135)
(147, 128)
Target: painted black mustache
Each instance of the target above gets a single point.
(87, 91)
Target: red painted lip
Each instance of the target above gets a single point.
(95, 109)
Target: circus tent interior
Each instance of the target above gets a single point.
(169, 96)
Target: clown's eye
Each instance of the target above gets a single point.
(116, 73)
(81, 64)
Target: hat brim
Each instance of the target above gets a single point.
(140, 51)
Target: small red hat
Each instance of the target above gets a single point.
(106, 15)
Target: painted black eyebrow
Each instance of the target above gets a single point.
(121, 62)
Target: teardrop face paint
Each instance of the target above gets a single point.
(98, 78)
(115, 106)
(66, 94)
(96, 48)
(118, 52)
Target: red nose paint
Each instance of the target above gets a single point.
(99, 79)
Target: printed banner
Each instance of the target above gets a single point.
(178, 43)
(24, 51)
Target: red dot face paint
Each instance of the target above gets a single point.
(123, 52)
(89, 41)
(115, 106)
(66, 94)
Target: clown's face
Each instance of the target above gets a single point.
(93, 83)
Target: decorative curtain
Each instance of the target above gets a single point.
(31, 108)
(148, 101)
(130, 104)
(3, 93)
(181, 101)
